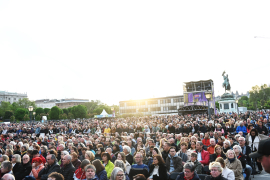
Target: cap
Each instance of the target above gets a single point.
(263, 149)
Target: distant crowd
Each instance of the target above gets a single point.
(162, 147)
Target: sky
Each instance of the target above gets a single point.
(121, 50)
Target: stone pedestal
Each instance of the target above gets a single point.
(227, 104)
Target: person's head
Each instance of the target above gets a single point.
(98, 165)
(253, 132)
(226, 144)
(221, 161)
(155, 151)
(166, 146)
(138, 158)
(90, 171)
(172, 151)
(51, 159)
(16, 158)
(157, 159)
(199, 145)
(84, 163)
(89, 155)
(121, 156)
(35, 153)
(189, 169)
(218, 149)
(230, 154)
(25, 159)
(237, 149)
(183, 145)
(118, 174)
(8, 177)
(126, 149)
(4, 158)
(242, 141)
(212, 142)
(55, 176)
(121, 164)
(61, 147)
(215, 169)
(193, 156)
(106, 157)
(6, 167)
(139, 177)
(74, 156)
(37, 161)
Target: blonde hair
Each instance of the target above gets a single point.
(216, 165)
(91, 155)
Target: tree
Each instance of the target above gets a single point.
(65, 111)
(38, 117)
(92, 105)
(46, 110)
(217, 105)
(19, 114)
(55, 112)
(4, 107)
(8, 114)
(70, 116)
(39, 110)
(26, 117)
(79, 111)
(25, 103)
(12, 118)
(254, 95)
(14, 106)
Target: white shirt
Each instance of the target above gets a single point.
(199, 158)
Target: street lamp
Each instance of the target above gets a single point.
(34, 113)
(30, 108)
(208, 97)
(237, 106)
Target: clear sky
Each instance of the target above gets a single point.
(121, 50)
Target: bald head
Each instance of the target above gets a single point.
(26, 159)
(8, 177)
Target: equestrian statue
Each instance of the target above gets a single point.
(226, 83)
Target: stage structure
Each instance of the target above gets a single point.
(195, 101)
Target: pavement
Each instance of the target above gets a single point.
(262, 176)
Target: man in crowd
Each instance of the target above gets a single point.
(6, 168)
(173, 162)
(68, 169)
(166, 150)
(139, 167)
(211, 148)
(203, 156)
(50, 166)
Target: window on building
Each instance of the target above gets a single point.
(165, 108)
(168, 100)
(8, 98)
(14, 99)
(152, 102)
(220, 106)
(231, 105)
(122, 104)
(131, 104)
(172, 107)
(162, 101)
(155, 109)
(226, 106)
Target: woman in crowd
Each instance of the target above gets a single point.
(158, 169)
(9, 153)
(100, 150)
(192, 147)
(206, 140)
(250, 126)
(80, 173)
(154, 152)
(74, 149)
(188, 173)
(217, 153)
(234, 164)
(100, 170)
(219, 128)
(3, 158)
(226, 146)
(127, 151)
(184, 153)
(37, 165)
(116, 149)
(121, 156)
(120, 163)
(216, 172)
(106, 160)
(75, 161)
(226, 173)
(118, 174)
(238, 152)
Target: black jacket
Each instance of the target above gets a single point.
(246, 153)
(182, 175)
(68, 171)
(220, 177)
(213, 157)
(165, 155)
(161, 171)
(45, 172)
(129, 158)
(17, 170)
(26, 169)
(243, 160)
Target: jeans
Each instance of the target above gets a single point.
(248, 172)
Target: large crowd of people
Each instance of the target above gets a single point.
(151, 147)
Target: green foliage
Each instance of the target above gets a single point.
(92, 105)
(39, 110)
(79, 111)
(46, 110)
(12, 118)
(70, 116)
(4, 107)
(65, 111)
(8, 114)
(25, 103)
(38, 117)
(217, 105)
(14, 106)
(26, 117)
(19, 114)
(55, 112)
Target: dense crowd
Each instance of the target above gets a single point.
(153, 148)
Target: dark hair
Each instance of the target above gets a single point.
(99, 166)
(159, 158)
(172, 147)
(75, 149)
(139, 177)
(34, 152)
(255, 130)
(56, 175)
(116, 147)
(107, 155)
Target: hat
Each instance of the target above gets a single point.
(263, 149)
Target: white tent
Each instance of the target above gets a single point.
(104, 113)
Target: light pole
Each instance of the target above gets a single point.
(34, 113)
(237, 106)
(208, 97)
(30, 108)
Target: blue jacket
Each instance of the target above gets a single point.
(102, 175)
(243, 129)
(37, 130)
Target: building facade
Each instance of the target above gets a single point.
(162, 105)
(62, 103)
(11, 96)
(46, 103)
